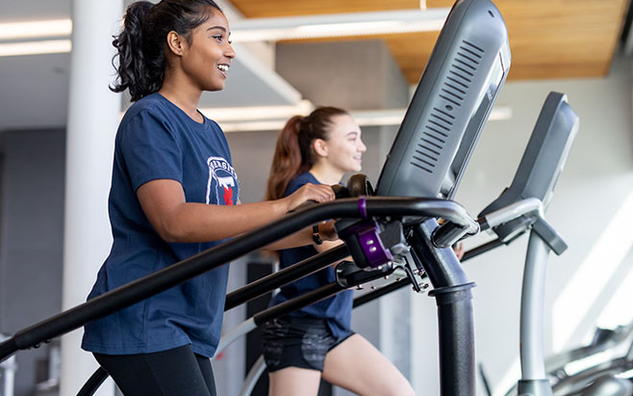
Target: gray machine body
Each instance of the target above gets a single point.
(542, 161)
(452, 102)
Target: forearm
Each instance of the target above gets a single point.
(299, 238)
(327, 233)
(196, 222)
(176, 220)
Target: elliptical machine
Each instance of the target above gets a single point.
(536, 178)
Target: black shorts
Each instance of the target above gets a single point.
(301, 342)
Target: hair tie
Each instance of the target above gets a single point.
(297, 127)
(308, 125)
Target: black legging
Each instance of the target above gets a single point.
(175, 372)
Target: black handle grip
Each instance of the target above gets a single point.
(447, 234)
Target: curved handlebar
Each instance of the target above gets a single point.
(155, 283)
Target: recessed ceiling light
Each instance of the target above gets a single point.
(36, 29)
(338, 25)
(273, 118)
(35, 47)
(219, 114)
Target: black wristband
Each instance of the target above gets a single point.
(316, 237)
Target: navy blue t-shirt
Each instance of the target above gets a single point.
(157, 140)
(337, 310)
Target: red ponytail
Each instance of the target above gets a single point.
(286, 161)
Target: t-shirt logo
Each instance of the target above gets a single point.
(222, 187)
(228, 195)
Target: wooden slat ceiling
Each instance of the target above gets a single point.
(548, 38)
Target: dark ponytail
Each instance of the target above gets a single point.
(294, 153)
(141, 43)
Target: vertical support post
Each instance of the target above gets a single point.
(454, 309)
(93, 115)
(533, 380)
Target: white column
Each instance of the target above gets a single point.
(93, 115)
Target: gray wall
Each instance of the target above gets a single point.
(357, 76)
(31, 239)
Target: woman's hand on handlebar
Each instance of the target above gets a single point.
(328, 231)
(309, 192)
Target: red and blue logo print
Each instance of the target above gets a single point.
(223, 186)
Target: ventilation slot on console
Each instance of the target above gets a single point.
(453, 91)
(461, 74)
(425, 156)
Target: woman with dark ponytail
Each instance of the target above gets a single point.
(317, 342)
(174, 194)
